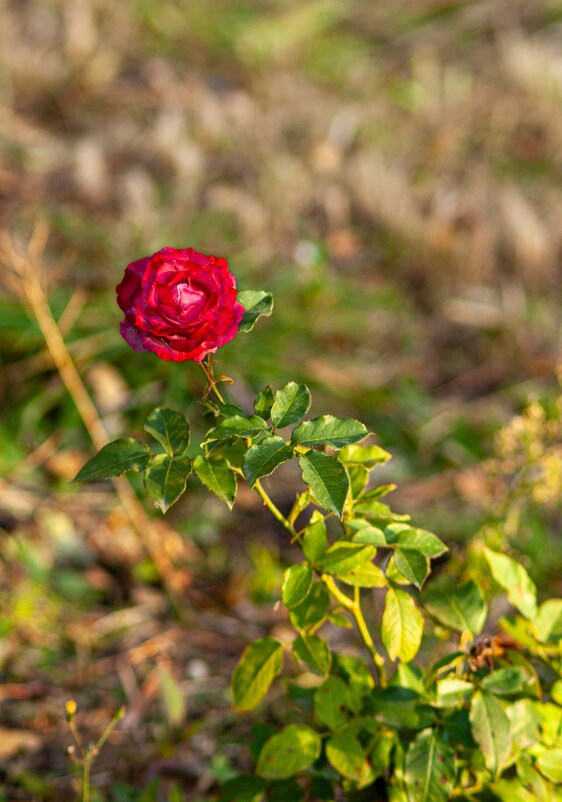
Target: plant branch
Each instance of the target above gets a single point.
(273, 509)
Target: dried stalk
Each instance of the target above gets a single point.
(24, 279)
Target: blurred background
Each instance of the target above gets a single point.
(392, 172)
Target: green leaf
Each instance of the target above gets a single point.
(377, 492)
(511, 575)
(296, 584)
(245, 788)
(459, 607)
(380, 753)
(312, 610)
(401, 708)
(314, 540)
(377, 513)
(170, 428)
(344, 557)
(327, 480)
(506, 681)
(260, 663)
(429, 768)
(262, 458)
(329, 431)
(398, 535)
(264, 402)
(511, 790)
(165, 478)
(549, 763)
(347, 756)
(256, 303)
(532, 780)
(364, 576)
(413, 565)
(217, 476)
(491, 730)
(125, 454)
(548, 622)
(172, 696)
(288, 752)
(313, 651)
(290, 405)
(358, 478)
(330, 702)
(524, 721)
(367, 456)
(237, 426)
(452, 691)
(402, 626)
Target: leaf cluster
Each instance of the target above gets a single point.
(486, 716)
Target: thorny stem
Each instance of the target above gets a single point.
(273, 509)
(207, 368)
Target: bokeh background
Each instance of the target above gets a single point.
(392, 172)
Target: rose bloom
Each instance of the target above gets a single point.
(179, 304)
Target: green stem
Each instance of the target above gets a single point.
(339, 595)
(378, 659)
(273, 509)
(354, 607)
(86, 785)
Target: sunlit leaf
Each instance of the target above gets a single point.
(347, 756)
(260, 663)
(314, 540)
(402, 626)
(256, 303)
(398, 535)
(314, 651)
(330, 431)
(459, 607)
(288, 752)
(296, 584)
(511, 575)
(413, 565)
(491, 729)
(330, 702)
(367, 456)
(344, 557)
(429, 768)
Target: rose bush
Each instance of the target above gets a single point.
(179, 304)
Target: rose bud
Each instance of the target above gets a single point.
(179, 304)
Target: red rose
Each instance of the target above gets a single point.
(179, 304)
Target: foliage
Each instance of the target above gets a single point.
(486, 715)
